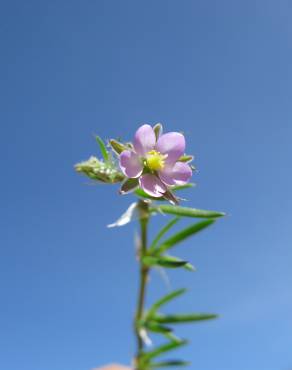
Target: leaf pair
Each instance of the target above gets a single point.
(156, 256)
(183, 235)
(158, 351)
(158, 318)
(155, 322)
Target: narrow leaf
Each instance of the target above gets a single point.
(164, 261)
(102, 148)
(182, 235)
(157, 328)
(171, 337)
(169, 363)
(172, 262)
(186, 212)
(162, 349)
(189, 267)
(164, 300)
(179, 319)
(163, 231)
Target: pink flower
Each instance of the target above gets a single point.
(155, 161)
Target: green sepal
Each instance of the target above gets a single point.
(169, 196)
(186, 158)
(183, 187)
(117, 147)
(129, 185)
(141, 193)
(157, 130)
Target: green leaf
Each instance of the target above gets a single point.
(164, 300)
(169, 363)
(190, 267)
(175, 260)
(179, 319)
(164, 261)
(182, 235)
(185, 211)
(102, 148)
(147, 356)
(170, 336)
(157, 328)
(163, 231)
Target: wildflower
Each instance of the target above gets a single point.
(153, 162)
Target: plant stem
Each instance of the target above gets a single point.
(144, 270)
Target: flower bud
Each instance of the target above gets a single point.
(100, 171)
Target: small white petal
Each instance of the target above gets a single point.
(126, 217)
(144, 336)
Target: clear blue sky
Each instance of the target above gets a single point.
(218, 70)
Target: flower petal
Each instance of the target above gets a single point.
(144, 140)
(152, 185)
(130, 164)
(173, 144)
(179, 174)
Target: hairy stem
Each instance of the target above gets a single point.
(144, 270)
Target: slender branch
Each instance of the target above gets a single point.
(144, 270)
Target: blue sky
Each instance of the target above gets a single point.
(218, 71)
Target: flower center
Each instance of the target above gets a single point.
(155, 160)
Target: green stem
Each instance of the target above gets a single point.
(144, 270)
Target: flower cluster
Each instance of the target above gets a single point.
(154, 163)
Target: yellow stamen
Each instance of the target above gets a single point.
(155, 160)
